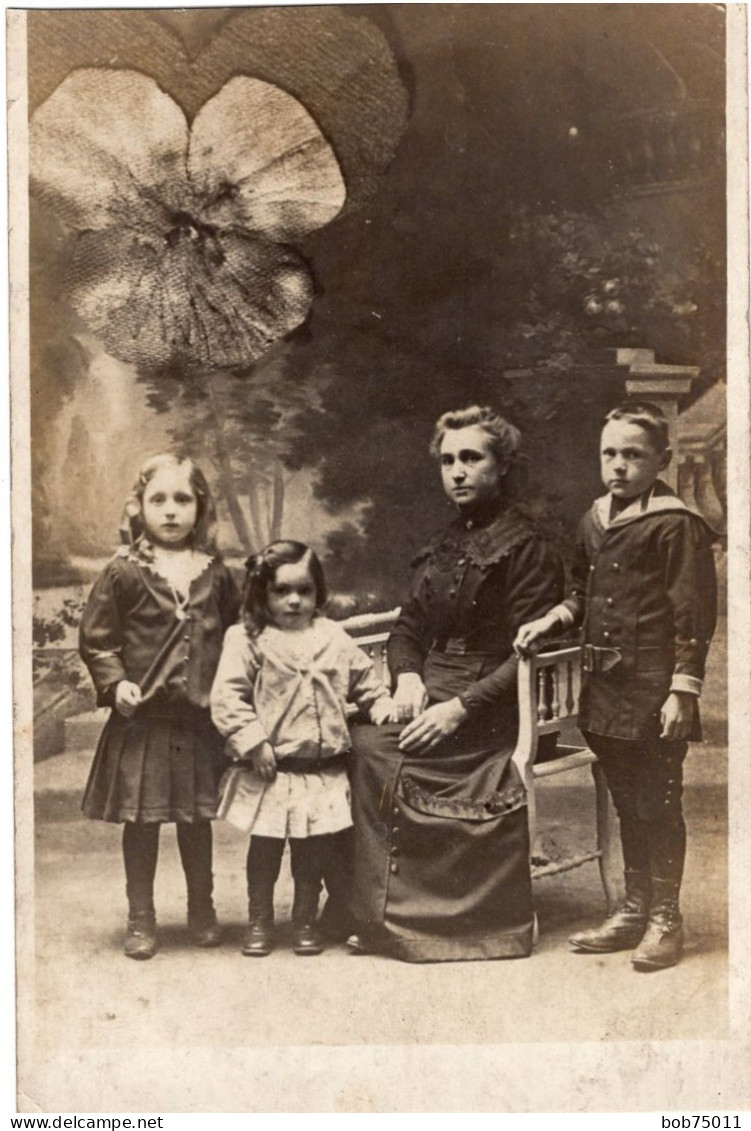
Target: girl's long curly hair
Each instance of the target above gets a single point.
(203, 534)
(262, 569)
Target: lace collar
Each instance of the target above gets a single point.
(483, 545)
(179, 569)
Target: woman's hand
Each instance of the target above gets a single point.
(677, 715)
(427, 730)
(127, 697)
(410, 697)
(263, 760)
(532, 633)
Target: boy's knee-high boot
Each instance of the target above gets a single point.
(140, 853)
(624, 929)
(308, 858)
(263, 865)
(662, 945)
(194, 841)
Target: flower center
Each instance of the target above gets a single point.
(184, 227)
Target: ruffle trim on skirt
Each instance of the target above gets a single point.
(482, 809)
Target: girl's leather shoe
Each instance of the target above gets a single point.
(259, 938)
(204, 930)
(140, 937)
(306, 939)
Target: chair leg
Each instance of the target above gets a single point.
(605, 835)
(535, 842)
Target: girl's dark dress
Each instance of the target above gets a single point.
(442, 850)
(163, 763)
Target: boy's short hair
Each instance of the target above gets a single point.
(647, 416)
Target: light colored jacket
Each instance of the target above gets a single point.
(291, 689)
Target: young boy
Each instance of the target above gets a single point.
(644, 590)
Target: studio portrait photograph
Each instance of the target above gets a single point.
(379, 451)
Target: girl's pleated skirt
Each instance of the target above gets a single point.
(156, 768)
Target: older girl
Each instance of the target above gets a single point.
(151, 635)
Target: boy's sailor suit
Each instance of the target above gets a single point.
(644, 591)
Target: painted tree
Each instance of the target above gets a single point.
(247, 424)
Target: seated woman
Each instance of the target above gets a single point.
(442, 850)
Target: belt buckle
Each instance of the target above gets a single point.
(599, 660)
(456, 646)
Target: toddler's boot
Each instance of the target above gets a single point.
(623, 929)
(263, 865)
(662, 945)
(258, 940)
(140, 935)
(306, 935)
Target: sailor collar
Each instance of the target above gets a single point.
(660, 499)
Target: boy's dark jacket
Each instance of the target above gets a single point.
(644, 588)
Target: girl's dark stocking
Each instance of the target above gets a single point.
(140, 853)
(263, 864)
(308, 860)
(194, 841)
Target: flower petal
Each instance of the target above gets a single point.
(259, 161)
(109, 147)
(218, 301)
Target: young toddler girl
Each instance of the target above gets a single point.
(151, 636)
(279, 697)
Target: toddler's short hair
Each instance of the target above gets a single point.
(647, 416)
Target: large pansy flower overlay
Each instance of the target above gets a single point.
(183, 250)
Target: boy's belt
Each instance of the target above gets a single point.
(599, 660)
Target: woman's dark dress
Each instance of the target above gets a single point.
(442, 849)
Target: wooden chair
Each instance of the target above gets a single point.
(549, 685)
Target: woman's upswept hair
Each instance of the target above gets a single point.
(203, 535)
(261, 571)
(647, 416)
(505, 438)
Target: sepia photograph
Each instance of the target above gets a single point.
(380, 425)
